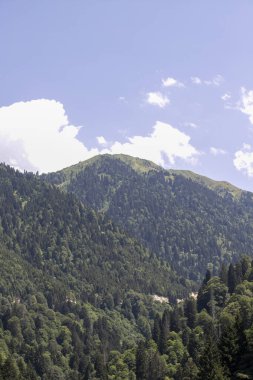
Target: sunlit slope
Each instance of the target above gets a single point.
(182, 217)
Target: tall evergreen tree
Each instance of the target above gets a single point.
(141, 362)
(210, 367)
(190, 310)
(224, 274)
(157, 329)
(229, 348)
(165, 328)
(232, 282)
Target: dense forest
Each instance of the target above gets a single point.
(182, 218)
(62, 237)
(205, 338)
(85, 297)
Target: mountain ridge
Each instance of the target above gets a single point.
(143, 166)
(184, 218)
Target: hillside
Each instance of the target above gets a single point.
(72, 285)
(56, 233)
(181, 217)
(75, 290)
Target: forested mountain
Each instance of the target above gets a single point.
(76, 289)
(59, 235)
(181, 217)
(72, 285)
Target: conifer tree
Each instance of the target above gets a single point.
(141, 362)
(224, 274)
(231, 278)
(157, 329)
(229, 348)
(190, 310)
(165, 328)
(210, 365)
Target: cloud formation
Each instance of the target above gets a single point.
(101, 140)
(157, 99)
(163, 146)
(226, 96)
(196, 80)
(217, 151)
(37, 135)
(190, 124)
(243, 160)
(246, 103)
(171, 82)
(216, 81)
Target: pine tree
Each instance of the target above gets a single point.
(165, 328)
(224, 274)
(157, 329)
(141, 362)
(229, 348)
(190, 310)
(100, 367)
(210, 365)
(245, 266)
(208, 277)
(231, 279)
(10, 369)
(189, 370)
(201, 301)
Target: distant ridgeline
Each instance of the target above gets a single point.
(89, 257)
(184, 219)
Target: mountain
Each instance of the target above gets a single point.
(79, 296)
(72, 285)
(59, 235)
(183, 218)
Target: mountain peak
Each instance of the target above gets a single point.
(142, 166)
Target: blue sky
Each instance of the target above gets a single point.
(170, 81)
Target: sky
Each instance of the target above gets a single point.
(165, 80)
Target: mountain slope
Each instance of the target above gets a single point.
(74, 289)
(59, 235)
(183, 218)
(72, 286)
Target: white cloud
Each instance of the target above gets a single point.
(36, 135)
(217, 151)
(243, 160)
(101, 140)
(216, 81)
(196, 80)
(171, 82)
(157, 99)
(246, 103)
(226, 96)
(191, 125)
(122, 99)
(163, 146)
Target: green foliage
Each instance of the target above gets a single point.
(185, 219)
(75, 289)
